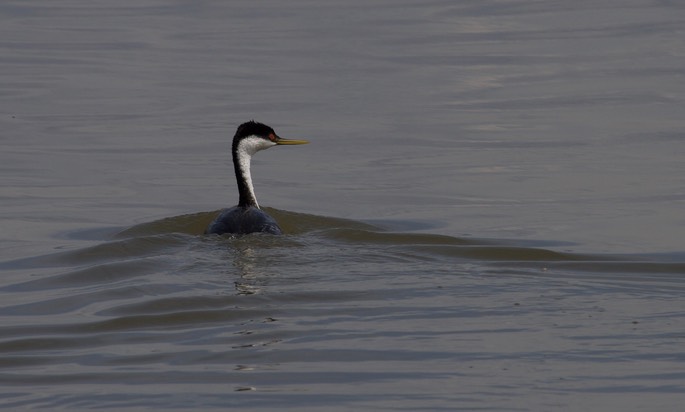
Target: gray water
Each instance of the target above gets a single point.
(488, 217)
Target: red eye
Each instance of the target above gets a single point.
(272, 137)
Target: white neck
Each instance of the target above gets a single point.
(244, 152)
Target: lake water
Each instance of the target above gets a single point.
(489, 215)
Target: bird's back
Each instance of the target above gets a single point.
(243, 220)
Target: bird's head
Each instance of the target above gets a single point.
(252, 137)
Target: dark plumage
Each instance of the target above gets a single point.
(243, 220)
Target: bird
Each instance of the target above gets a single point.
(247, 217)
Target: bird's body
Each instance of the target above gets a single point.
(242, 220)
(247, 217)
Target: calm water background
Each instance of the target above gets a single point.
(490, 214)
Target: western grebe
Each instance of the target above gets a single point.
(247, 217)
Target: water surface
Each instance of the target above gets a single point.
(489, 215)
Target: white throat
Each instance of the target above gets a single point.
(246, 149)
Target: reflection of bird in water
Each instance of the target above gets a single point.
(246, 261)
(247, 217)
